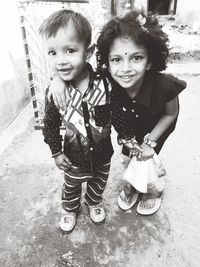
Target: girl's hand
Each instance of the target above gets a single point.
(136, 150)
(133, 146)
(58, 91)
(147, 153)
(62, 162)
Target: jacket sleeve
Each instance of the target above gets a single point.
(52, 123)
(121, 121)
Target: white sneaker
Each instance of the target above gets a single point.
(97, 213)
(68, 221)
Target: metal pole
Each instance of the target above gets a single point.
(113, 8)
(28, 64)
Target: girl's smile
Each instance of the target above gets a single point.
(126, 78)
(128, 63)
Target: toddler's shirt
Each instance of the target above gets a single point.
(77, 146)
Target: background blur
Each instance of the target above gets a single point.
(17, 86)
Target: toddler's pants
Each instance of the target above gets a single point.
(72, 187)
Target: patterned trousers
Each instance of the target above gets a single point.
(72, 187)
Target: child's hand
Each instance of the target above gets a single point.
(133, 146)
(136, 150)
(62, 162)
(58, 90)
(147, 153)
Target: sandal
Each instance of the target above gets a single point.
(127, 197)
(151, 201)
(149, 206)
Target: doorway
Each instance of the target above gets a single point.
(162, 7)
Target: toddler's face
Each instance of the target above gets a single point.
(67, 54)
(128, 62)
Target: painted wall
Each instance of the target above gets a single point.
(14, 91)
(188, 12)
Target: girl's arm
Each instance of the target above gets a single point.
(58, 92)
(170, 114)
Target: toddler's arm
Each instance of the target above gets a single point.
(59, 93)
(170, 114)
(51, 130)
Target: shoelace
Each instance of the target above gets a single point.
(68, 218)
(98, 211)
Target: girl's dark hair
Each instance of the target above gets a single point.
(147, 32)
(60, 19)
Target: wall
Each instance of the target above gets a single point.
(188, 12)
(14, 90)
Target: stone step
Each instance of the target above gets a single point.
(184, 43)
(190, 56)
(187, 68)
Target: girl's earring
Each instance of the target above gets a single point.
(148, 66)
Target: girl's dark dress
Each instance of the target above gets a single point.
(138, 116)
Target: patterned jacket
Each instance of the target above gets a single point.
(87, 122)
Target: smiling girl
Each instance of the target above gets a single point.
(133, 50)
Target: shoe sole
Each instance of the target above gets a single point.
(98, 223)
(67, 232)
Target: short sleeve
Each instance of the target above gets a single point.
(175, 87)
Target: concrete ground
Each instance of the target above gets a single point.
(30, 187)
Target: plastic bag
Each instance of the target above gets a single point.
(141, 173)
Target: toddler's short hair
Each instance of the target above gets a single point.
(60, 19)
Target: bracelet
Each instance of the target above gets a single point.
(149, 142)
(57, 154)
(131, 141)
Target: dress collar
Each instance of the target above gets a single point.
(144, 95)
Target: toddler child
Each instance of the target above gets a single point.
(87, 149)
